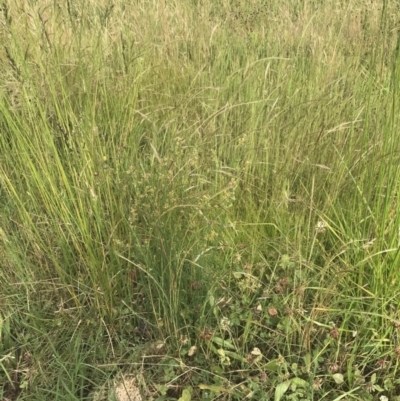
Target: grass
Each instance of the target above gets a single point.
(198, 200)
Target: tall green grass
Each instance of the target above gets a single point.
(199, 174)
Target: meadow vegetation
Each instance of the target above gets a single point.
(199, 198)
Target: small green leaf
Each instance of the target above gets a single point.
(388, 383)
(272, 366)
(299, 382)
(186, 395)
(338, 377)
(23, 385)
(378, 388)
(307, 361)
(161, 388)
(216, 369)
(281, 389)
(223, 343)
(234, 355)
(211, 300)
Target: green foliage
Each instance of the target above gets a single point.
(198, 199)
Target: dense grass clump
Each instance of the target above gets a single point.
(198, 200)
